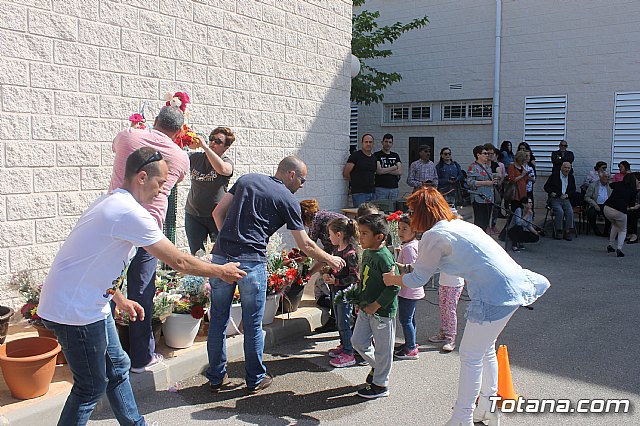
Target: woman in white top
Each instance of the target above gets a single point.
(497, 286)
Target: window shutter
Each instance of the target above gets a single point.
(353, 128)
(626, 130)
(545, 125)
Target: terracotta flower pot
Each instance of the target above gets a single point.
(5, 315)
(28, 365)
(45, 332)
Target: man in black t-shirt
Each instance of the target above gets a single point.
(388, 170)
(360, 170)
(255, 207)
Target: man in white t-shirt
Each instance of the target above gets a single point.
(87, 274)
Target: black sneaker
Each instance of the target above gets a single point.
(265, 383)
(216, 387)
(330, 326)
(359, 359)
(369, 379)
(373, 391)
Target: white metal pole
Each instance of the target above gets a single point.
(496, 75)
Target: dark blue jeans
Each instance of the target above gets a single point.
(141, 287)
(98, 365)
(197, 228)
(362, 197)
(253, 295)
(407, 319)
(343, 322)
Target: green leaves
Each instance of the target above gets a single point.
(366, 40)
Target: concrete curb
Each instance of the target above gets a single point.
(172, 370)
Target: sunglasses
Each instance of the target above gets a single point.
(446, 153)
(302, 180)
(155, 157)
(485, 153)
(217, 141)
(564, 144)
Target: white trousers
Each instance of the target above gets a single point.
(478, 367)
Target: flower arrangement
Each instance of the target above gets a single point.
(193, 296)
(394, 219)
(286, 269)
(186, 137)
(137, 121)
(178, 99)
(349, 295)
(24, 282)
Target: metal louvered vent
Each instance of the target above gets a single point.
(545, 125)
(455, 86)
(353, 128)
(626, 130)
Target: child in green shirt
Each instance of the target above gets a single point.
(378, 306)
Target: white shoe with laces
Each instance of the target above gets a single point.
(155, 359)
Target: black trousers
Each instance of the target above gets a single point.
(632, 222)
(481, 215)
(519, 235)
(592, 215)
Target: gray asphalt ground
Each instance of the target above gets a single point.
(580, 341)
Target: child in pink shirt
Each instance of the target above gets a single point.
(408, 297)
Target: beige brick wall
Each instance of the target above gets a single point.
(72, 71)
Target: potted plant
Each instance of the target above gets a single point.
(5, 315)
(293, 291)
(190, 300)
(26, 285)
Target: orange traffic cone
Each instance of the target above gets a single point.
(505, 382)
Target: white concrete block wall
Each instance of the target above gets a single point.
(72, 71)
(586, 50)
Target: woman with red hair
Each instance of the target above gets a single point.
(497, 286)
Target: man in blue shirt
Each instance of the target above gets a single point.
(253, 210)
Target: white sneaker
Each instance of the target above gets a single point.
(449, 346)
(155, 359)
(491, 419)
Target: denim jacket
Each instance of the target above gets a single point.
(495, 282)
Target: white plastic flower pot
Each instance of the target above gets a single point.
(270, 308)
(235, 319)
(180, 330)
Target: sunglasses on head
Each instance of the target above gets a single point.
(155, 157)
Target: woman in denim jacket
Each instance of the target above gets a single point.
(497, 286)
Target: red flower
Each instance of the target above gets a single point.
(197, 312)
(291, 274)
(136, 118)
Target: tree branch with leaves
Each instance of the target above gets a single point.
(367, 37)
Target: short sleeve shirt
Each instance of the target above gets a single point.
(387, 160)
(363, 174)
(94, 258)
(207, 186)
(261, 205)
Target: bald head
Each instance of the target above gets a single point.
(291, 163)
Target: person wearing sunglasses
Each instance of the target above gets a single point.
(560, 156)
(450, 177)
(87, 275)
(211, 171)
(141, 275)
(248, 215)
(481, 181)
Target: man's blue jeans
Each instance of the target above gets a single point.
(253, 295)
(387, 193)
(407, 319)
(98, 365)
(362, 197)
(141, 287)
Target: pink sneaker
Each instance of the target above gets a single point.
(336, 352)
(343, 360)
(407, 354)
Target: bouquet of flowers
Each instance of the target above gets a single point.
(349, 295)
(394, 219)
(286, 269)
(186, 137)
(194, 297)
(24, 282)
